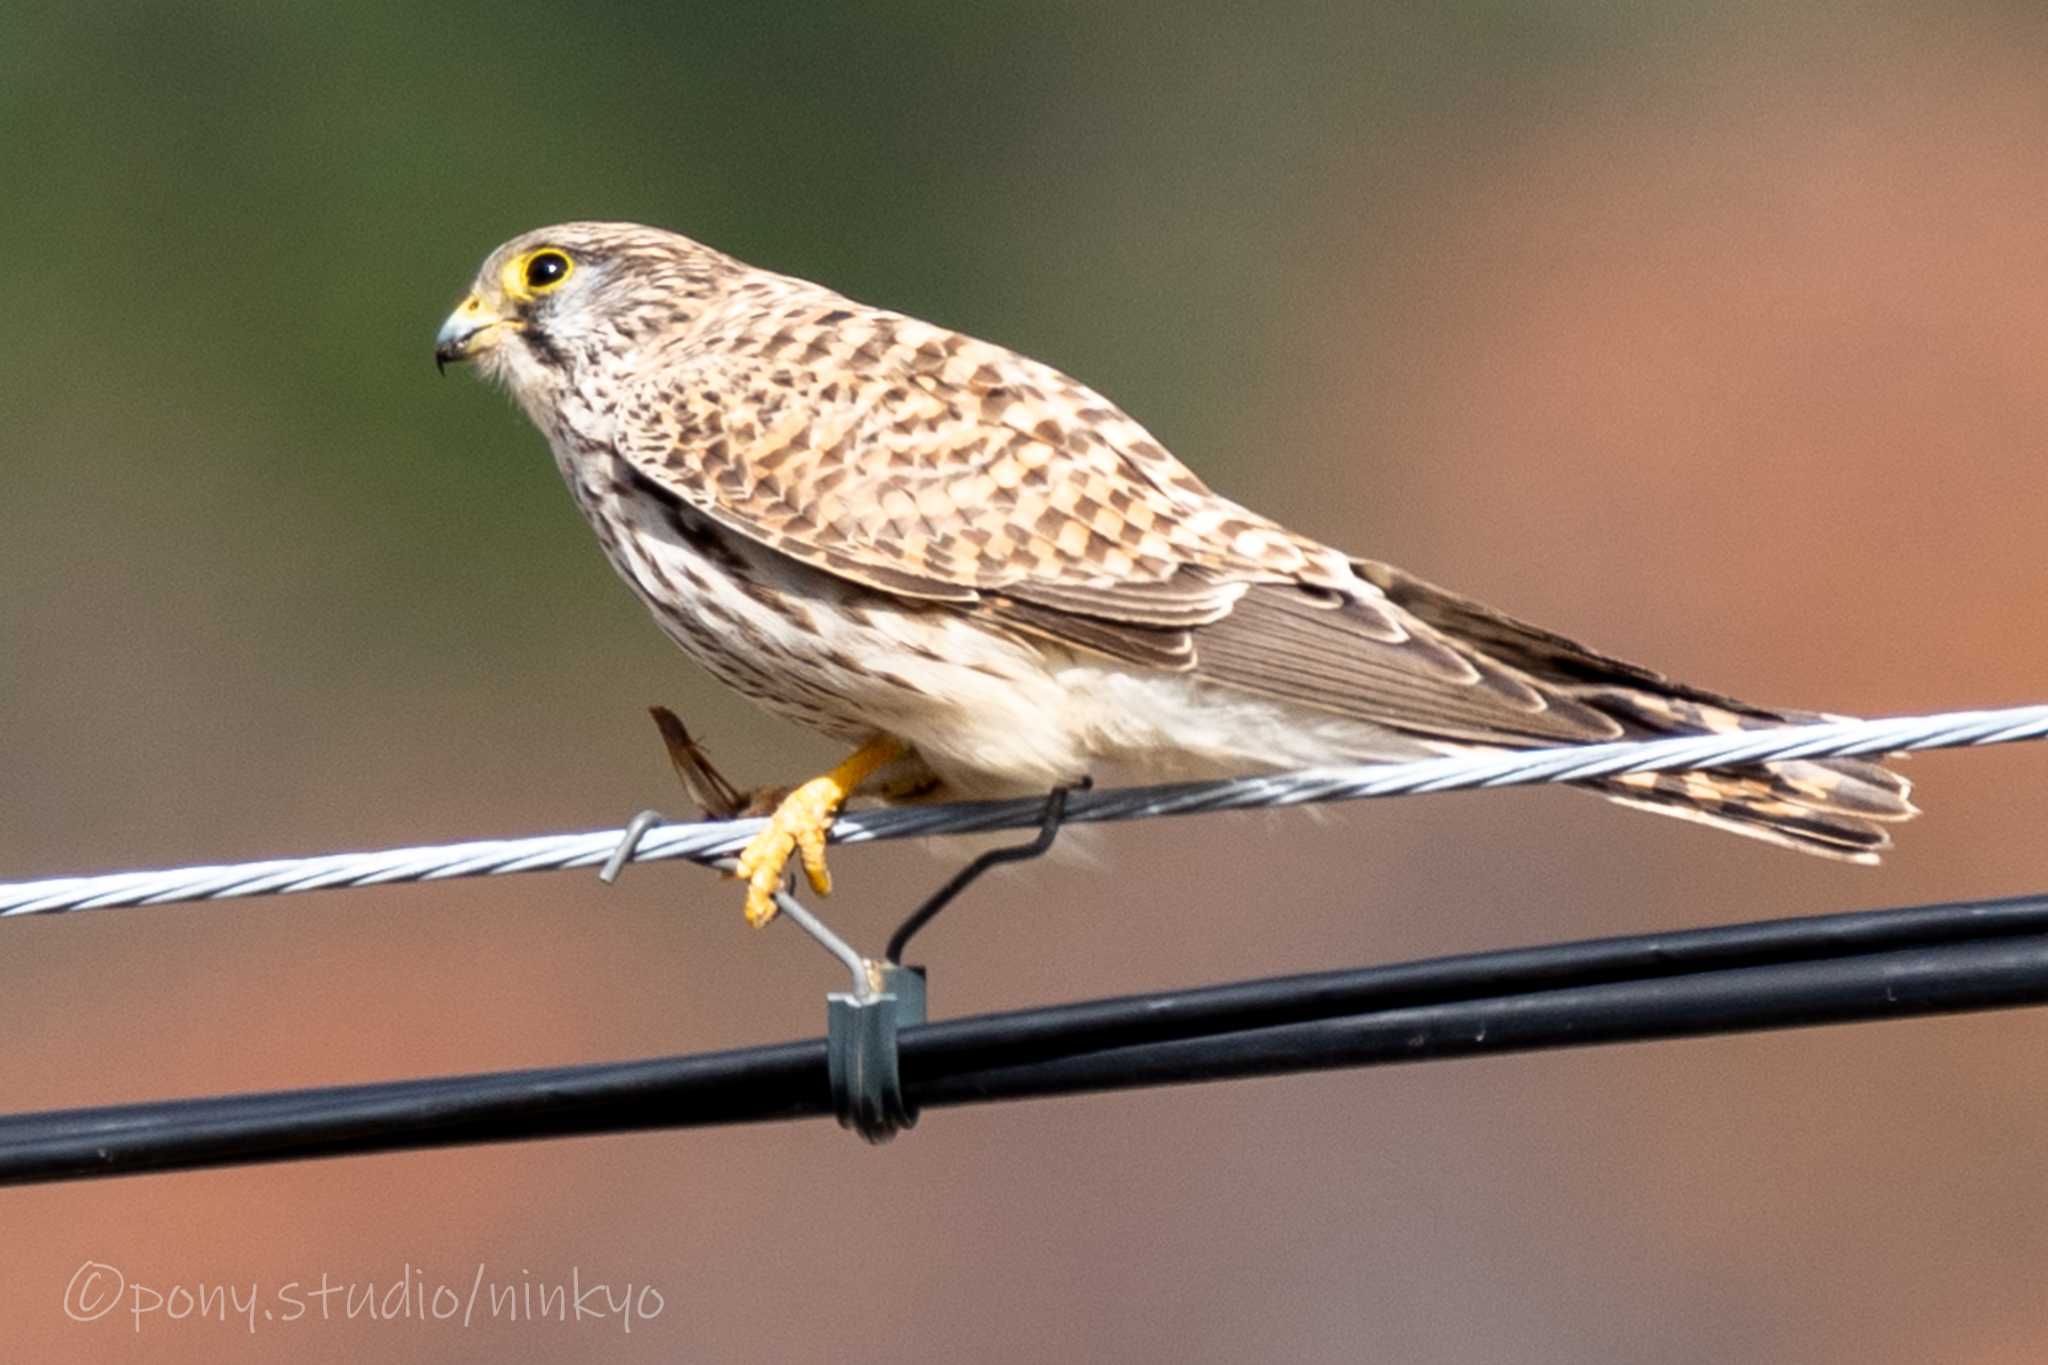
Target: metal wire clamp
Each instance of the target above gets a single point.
(860, 1051)
(1048, 830)
(861, 1025)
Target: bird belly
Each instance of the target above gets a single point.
(831, 656)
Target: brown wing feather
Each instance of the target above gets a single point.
(937, 468)
(1838, 808)
(923, 462)
(954, 471)
(1540, 653)
(1332, 654)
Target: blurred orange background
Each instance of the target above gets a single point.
(1712, 335)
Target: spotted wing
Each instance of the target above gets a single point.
(928, 465)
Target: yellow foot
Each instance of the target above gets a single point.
(799, 826)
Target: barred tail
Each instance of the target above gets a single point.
(1836, 808)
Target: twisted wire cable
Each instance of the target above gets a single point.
(709, 841)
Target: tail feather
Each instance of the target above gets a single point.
(1837, 808)
(1757, 804)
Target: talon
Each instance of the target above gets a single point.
(799, 826)
(761, 884)
(810, 843)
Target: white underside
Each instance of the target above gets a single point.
(1120, 726)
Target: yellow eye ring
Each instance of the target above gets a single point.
(538, 272)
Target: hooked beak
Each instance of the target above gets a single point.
(469, 331)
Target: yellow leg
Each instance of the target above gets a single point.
(799, 825)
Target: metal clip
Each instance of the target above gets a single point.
(716, 798)
(1048, 830)
(862, 1061)
(861, 1024)
(860, 1032)
(629, 843)
(861, 1056)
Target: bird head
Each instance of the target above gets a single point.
(552, 308)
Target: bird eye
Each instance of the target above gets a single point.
(546, 270)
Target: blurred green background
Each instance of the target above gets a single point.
(1712, 334)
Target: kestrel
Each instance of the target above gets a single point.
(988, 580)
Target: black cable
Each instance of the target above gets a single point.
(996, 1039)
(1776, 974)
(2001, 974)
